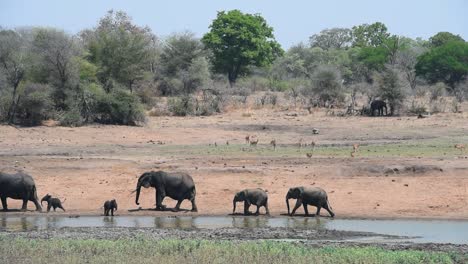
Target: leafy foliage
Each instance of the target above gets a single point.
(239, 40)
(447, 63)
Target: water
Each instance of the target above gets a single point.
(421, 231)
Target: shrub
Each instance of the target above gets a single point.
(389, 89)
(72, 117)
(437, 90)
(34, 105)
(118, 107)
(181, 106)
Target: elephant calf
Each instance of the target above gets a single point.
(256, 197)
(110, 206)
(52, 202)
(309, 196)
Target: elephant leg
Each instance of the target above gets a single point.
(106, 212)
(112, 212)
(25, 205)
(318, 211)
(177, 207)
(36, 203)
(246, 208)
(266, 209)
(48, 207)
(61, 207)
(306, 211)
(329, 210)
(194, 206)
(4, 204)
(160, 194)
(258, 210)
(298, 203)
(55, 208)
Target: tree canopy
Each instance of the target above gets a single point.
(447, 63)
(239, 40)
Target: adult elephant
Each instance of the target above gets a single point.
(19, 186)
(309, 196)
(179, 186)
(379, 106)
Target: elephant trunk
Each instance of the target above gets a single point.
(138, 193)
(234, 206)
(287, 202)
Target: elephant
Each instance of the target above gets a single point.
(309, 196)
(52, 202)
(110, 206)
(19, 186)
(378, 105)
(177, 185)
(256, 197)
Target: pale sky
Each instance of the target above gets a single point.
(293, 21)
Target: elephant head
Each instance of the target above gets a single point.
(294, 193)
(145, 181)
(46, 198)
(114, 204)
(239, 197)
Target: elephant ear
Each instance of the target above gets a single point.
(298, 191)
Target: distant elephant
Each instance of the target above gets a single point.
(378, 105)
(19, 186)
(256, 197)
(309, 196)
(52, 202)
(179, 186)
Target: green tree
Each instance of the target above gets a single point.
(447, 63)
(57, 52)
(120, 49)
(334, 38)
(239, 40)
(390, 89)
(372, 35)
(442, 38)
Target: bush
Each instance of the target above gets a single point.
(72, 118)
(181, 106)
(389, 89)
(118, 107)
(5, 102)
(326, 86)
(437, 90)
(35, 105)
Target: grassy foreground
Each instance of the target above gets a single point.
(192, 251)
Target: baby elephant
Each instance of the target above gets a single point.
(256, 197)
(110, 206)
(52, 202)
(309, 196)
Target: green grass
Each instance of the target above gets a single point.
(142, 250)
(432, 149)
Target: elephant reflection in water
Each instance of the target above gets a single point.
(249, 222)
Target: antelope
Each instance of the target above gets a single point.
(355, 148)
(253, 143)
(273, 143)
(461, 147)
